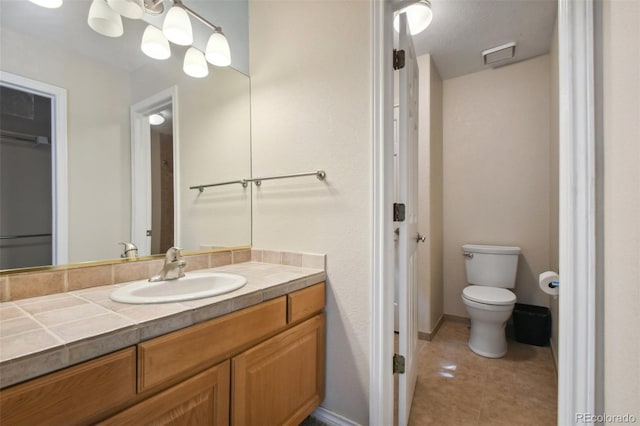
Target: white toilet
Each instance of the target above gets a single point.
(491, 270)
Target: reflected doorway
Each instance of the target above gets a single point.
(162, 199)
(154, 145)
(33, 173)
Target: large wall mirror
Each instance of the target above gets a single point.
(205, 139)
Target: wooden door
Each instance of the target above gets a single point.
(408, 242)
(200, 400)
(280, 381)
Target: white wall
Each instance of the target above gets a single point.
(311, 105)
(496, 172)
(430, 301)
(621, 71)
(214, 146)
(98, 140)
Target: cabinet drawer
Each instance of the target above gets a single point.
(76, 395)
(281, 380)
(200, 400)
(306, 302)
(182, 353)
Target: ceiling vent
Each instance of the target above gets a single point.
(499, 53)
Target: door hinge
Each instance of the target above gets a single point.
(148, 232)
(398, 59)
(398, 364)
(398, 212)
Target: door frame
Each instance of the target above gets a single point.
(580, 382)
(382, 275)
(59, 170)
(141, 168)
(579, 375)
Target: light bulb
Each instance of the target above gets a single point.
(49, 4)
(104, 20)
(154, 43)
(217, 52)
(177, 27)
(419, 16)
(132, 9)
(194, 64)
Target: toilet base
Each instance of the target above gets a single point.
(486, 354)
(488, 339)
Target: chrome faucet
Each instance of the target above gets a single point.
(130, 251)
(173, 266)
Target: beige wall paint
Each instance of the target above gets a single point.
(214, 136)
(554, 183)
(621, 71)
(311, 104)
(496, 172)
(99, 160)
(430, 302)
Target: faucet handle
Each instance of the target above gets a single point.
(173, 254)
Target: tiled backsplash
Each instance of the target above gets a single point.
(33, 284)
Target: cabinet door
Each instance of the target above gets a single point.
(77, 395)
(201, 400)
(280, 381)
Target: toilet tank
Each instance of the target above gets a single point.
(492, 266)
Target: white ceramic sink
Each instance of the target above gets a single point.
(194, 285)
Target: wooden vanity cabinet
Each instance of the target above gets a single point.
(77, 395)
(262, 365)
(200, 400)
(280, 381)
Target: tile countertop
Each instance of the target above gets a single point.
(47, 333)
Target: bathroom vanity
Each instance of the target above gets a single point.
(261, 364)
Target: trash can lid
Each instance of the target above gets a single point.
(489, 295)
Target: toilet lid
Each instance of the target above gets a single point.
(489, 295)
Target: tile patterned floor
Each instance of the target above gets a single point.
(457, 387)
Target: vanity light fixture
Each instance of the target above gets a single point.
(104, 20)
(194, 64)
(49, 4)
(177, 26)
(419, 15)
(155, 44)
(218, 52)
(156, 119)
(132, 9)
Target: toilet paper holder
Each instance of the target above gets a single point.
(554, 284)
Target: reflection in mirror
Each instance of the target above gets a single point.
(161, 155)
(103, 78)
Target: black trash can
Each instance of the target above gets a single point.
(532, 324)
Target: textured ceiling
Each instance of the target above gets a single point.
(462, 29)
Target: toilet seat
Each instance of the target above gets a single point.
(489, 295)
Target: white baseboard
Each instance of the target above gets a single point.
(331, 418)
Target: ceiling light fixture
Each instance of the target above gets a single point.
(154, 44)
(156, 119)
(419, 15)
(49, 4)
(104, 20)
